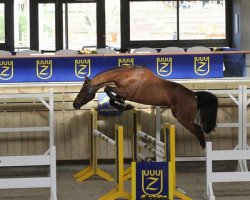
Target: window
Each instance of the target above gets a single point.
(81, 25)
(112, 16)
(162, 23)
(2, 23)
(46, 16)
(21, 24)
(153, 20)
(202, 20)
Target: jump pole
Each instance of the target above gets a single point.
(92, 169)
(119, 191)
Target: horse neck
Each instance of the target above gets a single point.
(106, 78)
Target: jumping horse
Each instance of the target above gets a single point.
(139, 84)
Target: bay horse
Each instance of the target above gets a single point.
(139, 84)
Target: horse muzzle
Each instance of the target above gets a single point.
(76, 105)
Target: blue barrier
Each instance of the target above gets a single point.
(235, 64)
(73, 68)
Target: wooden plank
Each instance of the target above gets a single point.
(10, 136)
(38, 135)
(25, 135)
(84, 132)
(123, 120)
(67, 135)
(74, 134)
(60, 145)
(45, 134)
(17, 135)
(3, 136)
(32, 136)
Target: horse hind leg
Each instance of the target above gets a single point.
(186, 118)
(197, 131)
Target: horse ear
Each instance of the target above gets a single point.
(87, 79)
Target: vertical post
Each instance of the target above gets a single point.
(167, 150)
(209, 184)
(244, 116)
(66, 18)
(133, 181)
(119, 157)
(244, 125)
(166, 142)
(242, 132)
(172, 151)
(53, 187)
(119, 192)
(51, 118)
(240, 116)
(93, 140)
(93, 169)
(158, 129)
(136, 139)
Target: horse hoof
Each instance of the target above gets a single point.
(203, 145)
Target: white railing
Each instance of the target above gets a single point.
(47, 159)
(222, 155)
(239, 97)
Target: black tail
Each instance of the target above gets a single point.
(207, 107)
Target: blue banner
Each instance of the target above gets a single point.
(152, 180)
(71, 69)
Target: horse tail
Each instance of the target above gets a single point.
(207, 105)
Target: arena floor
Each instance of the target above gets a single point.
(190, 177)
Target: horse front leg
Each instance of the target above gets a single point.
(116, 99)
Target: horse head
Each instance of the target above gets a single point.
(86, 94)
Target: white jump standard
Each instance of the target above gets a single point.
(47, 159)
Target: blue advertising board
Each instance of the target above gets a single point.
(73, 69)
(152, 180)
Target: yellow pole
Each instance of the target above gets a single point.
(92, 169)
(137, 127)
(119, 191)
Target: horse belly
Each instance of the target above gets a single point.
(151, 96)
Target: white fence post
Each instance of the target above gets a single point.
(209, 171)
